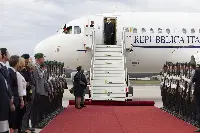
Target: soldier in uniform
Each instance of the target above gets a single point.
(108, 31)
(47, 89)
(26, 73)
(39, 92)
(196, 79)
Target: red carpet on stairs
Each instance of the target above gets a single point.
(117, 103)
(116, 119)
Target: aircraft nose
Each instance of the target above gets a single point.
(48, 46)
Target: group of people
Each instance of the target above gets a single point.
(21, 85)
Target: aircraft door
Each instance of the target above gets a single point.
(98, 28)
(119, 30)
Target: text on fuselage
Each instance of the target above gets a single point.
(166, 39)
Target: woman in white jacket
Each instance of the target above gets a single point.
(21, 86)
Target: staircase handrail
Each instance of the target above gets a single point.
(92, 59)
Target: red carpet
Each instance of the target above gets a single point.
(117, 103)
(116, 119)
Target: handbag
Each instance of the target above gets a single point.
(71, 90)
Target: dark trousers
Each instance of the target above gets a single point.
(198, 109)
(26, 117)
(108, 41)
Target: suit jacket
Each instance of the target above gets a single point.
(4, 99)
(108, 30)
(5, 73)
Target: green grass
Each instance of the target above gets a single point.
(152, 82)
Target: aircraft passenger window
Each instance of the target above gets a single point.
(159, 30)
(134, 30)
(127, 30)
(184, 30)
(143, 30)
(77, 30)
(193, 30)
(151, 30)
(168, 31)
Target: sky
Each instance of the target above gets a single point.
(24, 23)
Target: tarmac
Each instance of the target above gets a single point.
(140, 92)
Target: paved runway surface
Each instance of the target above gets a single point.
(140, 93)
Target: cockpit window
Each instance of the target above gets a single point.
(77, 30)
(67, 30)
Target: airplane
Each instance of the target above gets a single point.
(156, 37)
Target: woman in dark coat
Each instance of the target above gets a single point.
(80, 84)
(4, 105)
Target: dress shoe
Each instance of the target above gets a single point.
(82, 105)
(78, 107)
(32, 129)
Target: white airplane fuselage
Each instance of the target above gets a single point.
(151, 49)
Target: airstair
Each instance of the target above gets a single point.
(107, 73)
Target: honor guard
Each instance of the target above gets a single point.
(40, 92)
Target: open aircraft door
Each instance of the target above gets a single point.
(98, 28)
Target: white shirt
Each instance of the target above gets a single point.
(2, 63)
(21, 82)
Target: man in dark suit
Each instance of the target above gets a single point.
(6, 97)
(196, 79)
(108, 31)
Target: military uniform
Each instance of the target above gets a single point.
(39, 92)
(196, 78)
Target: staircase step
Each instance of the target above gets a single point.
(107, 85)
(108, 46)
(108, 58)
(104, 77)
(117, 72)
(105, 62)
(108, 49)
(108, 81)
(108, 98)
(109, 66)
(107, 69)
(108, 53)
(109, 89)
